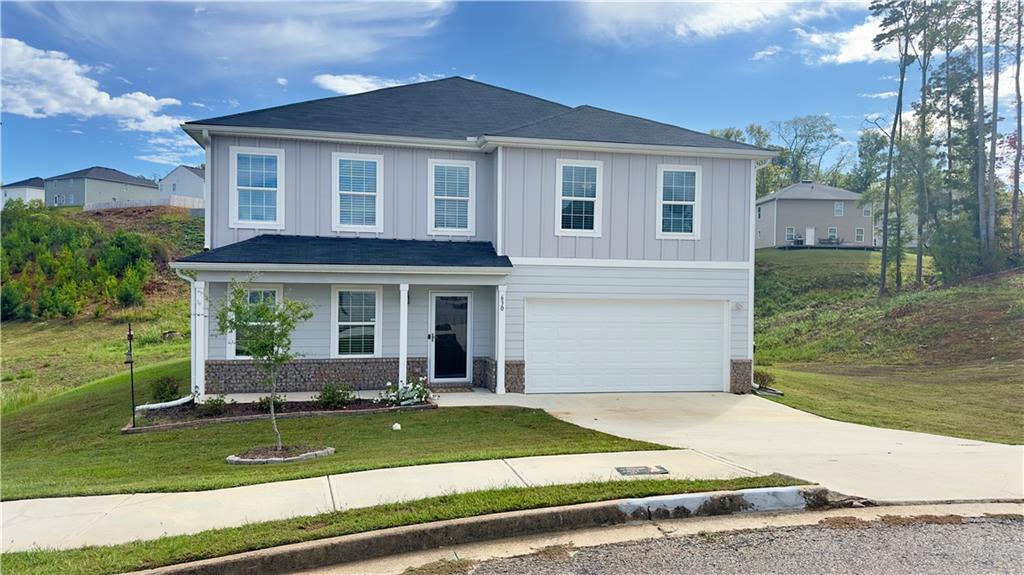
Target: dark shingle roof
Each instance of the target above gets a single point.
(452, 108)
(591, 124)
(106, 174)
(29, 183)
(458, 108)
(810, 191)
(197, 170)
(278, 249)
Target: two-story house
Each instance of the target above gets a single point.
(98, 186)
(478, 236)
(24, 190)
(183, 186)
(809, 213)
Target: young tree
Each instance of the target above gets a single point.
(990, 211)
(265, 326)
(806, 141)
(1015, 205)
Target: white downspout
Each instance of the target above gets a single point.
(197, 324)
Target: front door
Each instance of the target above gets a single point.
(451, 356)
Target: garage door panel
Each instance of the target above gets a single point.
(624, 345)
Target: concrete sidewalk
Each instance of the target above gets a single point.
(68, 522)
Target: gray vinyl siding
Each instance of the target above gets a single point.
(627, 283)
(102, 191)
(765, 226)
(308, 190)
(629, 213)
(65, 189)
(312, 339)
(802, 214)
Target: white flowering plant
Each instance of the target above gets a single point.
(412, 393)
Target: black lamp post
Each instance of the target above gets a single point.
(131, 368)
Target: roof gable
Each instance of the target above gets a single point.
(106, 174)
(28, 183)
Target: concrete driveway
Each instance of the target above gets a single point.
(763, 436)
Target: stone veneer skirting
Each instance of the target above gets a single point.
(242, 376)
(741, 376)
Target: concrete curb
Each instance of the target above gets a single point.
(236, 460)
(385, 542)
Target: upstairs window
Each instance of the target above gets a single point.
(867, 210)
(579, 198)
(257, 188)
(678, 202)
(758, 212)
(452, 188)
(358, 193)
(837, 209)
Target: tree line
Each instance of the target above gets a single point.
(934, 168)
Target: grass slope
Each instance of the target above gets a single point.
(940, 360)
(70, 444)
(220, 542)
(45, 357)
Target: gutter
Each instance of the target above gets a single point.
(336, 268)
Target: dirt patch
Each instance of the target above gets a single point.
(921, 519)
(272, 452)
(1005, 516)
(443, 567)
(844, 522)
(561, 552)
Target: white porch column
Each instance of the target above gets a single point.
(200, 339)
(499, 340)
(403, 334)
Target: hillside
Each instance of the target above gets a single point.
(946, 360)
(47, 354)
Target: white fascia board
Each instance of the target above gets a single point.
(489, 142)
(601, 263)
(335, 137)
(332, 268)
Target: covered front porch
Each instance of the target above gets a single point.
(372, 323)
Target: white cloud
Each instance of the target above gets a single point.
(346, 84)
(282, 81)
(846, 46)
(627, 22)
(170, 150)
(247, 37)
(197, 104)
(45, 83)
(767, 52)
(879, 95)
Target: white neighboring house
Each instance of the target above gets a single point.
(183, 186)
(25, 190)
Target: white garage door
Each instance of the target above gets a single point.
(582, 345)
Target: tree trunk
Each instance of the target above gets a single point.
(898, 204)
(922, 198)
(1015, 208)
(991, 211)
(948, 44)
(980, 122)
(273, 416)
(888, 172)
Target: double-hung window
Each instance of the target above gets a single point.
(256, 294)
(358, 200)
(578, 185)
(790, 233)
(452, 186)
(858, 235)
(833, 234)
(257, 188)
(758, 212)
(678, 214)
(837, 209)
(355, 315)
(866, 210)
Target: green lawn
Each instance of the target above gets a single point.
(984, 401)
(220, 542)
(70, 444)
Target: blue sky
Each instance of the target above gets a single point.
(107, 84)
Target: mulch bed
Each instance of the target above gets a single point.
(192, 412)
(270, 451)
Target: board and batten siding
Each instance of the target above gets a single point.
(629, 213)
(308, 190)
(312, 339)
(610, 283)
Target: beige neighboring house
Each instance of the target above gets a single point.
(98, 186)
(24, 190)
(810, 213)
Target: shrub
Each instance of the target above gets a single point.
(129, 291)
(413, 393)
(334, 396)
(263, 404)
(954, 249)
(164, 389)
(14, 302)
(763, 378)
(213, 406)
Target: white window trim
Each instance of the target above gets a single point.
(866, 211)
(758, 212)
(838, 209)
(559, 164)
(234, 222)
(432, 319)
(832, 233)
(231, 335)
(471, 221)
(336, 225)
(860, 232)
(661, 234)
(377, 329)
(790, 233)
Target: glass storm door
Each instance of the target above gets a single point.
(450, 357)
